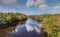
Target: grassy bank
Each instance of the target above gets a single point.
(50, 22)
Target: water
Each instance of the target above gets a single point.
(30, 29)
(6, 31)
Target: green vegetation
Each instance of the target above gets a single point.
(8, 19)
(50, 22)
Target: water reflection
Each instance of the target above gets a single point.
(5, 31)
(30, 29)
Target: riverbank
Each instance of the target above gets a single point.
(50, 22)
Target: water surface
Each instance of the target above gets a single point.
(29, 29)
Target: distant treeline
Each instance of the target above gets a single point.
(50, 22)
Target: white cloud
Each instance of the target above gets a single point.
(43, 6)
(29, 28)
(35, 3)
(39, 2)
(30, 3)
(8, 1)
(56, 8)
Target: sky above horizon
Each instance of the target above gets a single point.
(30, 7)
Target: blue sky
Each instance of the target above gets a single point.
(30, 7)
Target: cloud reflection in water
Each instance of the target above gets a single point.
(30, 29)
